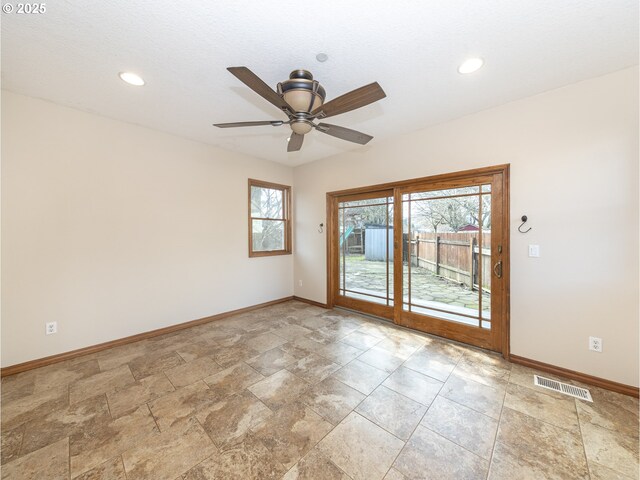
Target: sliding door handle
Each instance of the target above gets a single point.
(497, 269)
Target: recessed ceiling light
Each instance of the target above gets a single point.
(470, 65)
(322, 57)
(132, 78)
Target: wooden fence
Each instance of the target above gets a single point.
(455, 256)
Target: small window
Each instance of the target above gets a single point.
(269, 219)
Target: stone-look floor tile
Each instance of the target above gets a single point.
(150, 364)
(20, 410)
(117, 356)
(168, 342)
(228, 356)
(344, 322)
(400, 347)
(360, 448)
(292, 432)
(112, 469)
(325, 337)
(435, 363)
(560, 412)
(394, 474)
(601, 396)
(415, 385)
(191, 372)
(377, 328)
(50, 462)
(291, 332)
(529, 448)
(233, 379)
(610, 410)
(361, 376)
(169, 454)
(300, 347)
(58, 424)
(332, 399)
(312, 310)
(181, 404)
(395, 413)
(428, 455)
(486, 357)
(485, 370)
(247, 460)
(599, 472)
(279, 389)
(339, 352)
(313, 368)
(315, 322)
(197, 349)
(222, 335)
(130, 397)
(265, 341)
(15, 387)
(336, 331)
(381, 359)
(479, 397)
(100, 383)
(614, 450)
(105, 439)
(271, 361)
(314, 466)
(470, 429)
(64, 373)
(361, 340)
(11, 443)
(228, 421)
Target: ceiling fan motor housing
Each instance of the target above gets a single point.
(301, 91)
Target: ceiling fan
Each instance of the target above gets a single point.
(301, 98)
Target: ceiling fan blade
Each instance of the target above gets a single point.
(256, 84)
(350, 101)
(275, 123)
(295, 142)
(344, 133)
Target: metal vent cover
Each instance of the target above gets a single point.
(565, 388)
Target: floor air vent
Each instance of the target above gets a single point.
(571, 390)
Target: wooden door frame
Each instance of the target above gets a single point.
(447, 178)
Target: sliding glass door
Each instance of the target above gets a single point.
(452, 259)
(439, 264)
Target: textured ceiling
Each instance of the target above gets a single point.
(72, 55)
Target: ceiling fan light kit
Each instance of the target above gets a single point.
(301, 98)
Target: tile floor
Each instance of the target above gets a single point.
(297, 392)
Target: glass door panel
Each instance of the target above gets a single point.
(447, 254)
(365, 238)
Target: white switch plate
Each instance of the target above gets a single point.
(51, 327)
(534, 250)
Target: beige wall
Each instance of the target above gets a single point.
(112, 229)
(574, 171)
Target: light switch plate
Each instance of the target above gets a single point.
(534, 250)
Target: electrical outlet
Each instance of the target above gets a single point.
(534, 250)
(595, 344)
(51, 327)
(299, 283)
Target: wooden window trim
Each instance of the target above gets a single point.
(286, 191)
